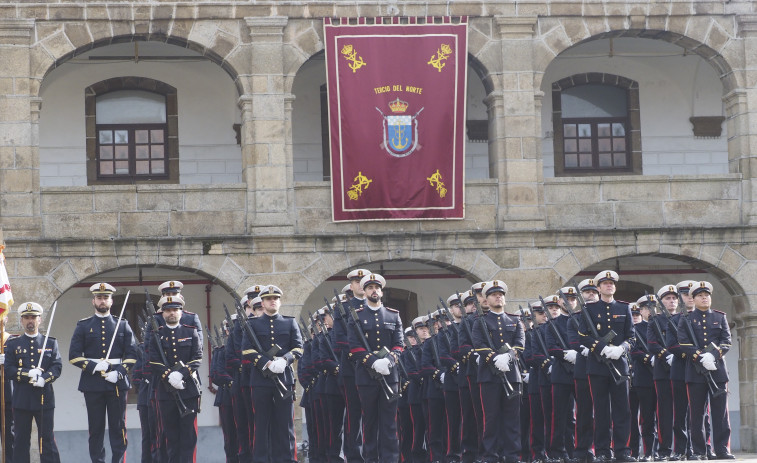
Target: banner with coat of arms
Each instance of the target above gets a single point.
(396, 92)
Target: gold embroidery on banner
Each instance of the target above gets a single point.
(441, 54)
(356, 190)
(436, 181)
(356, 62)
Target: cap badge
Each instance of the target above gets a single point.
(102, 286)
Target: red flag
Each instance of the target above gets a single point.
(397, 119)
(6, 296)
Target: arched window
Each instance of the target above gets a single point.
(596, 125)
(132, 131)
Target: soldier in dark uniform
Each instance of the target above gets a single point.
(176, 376)
(709, 327)
(221, 378)
(545, 381)
(642, 382)
(33, 396)
(415, 390)
(434, 372)
(104, 381)
(7, 433)
(253, 308)
(233, 355)
(353, 435)
(305, 374)
(472, 372)
(141, 381)
(469, 440)
(501, 413)
(274, 414)
(383, 328)
(404, 417)
(450, 358)
(332, 400)
(538, 363)
(656, 339)
(610, 399)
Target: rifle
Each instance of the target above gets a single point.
(434, 347)
(711, 384)
(560, 341)
(538, 335)
(464, 321)
(524, 319)
(283, 391)
(338, 315)
(404, 377)
(326, 337)
(175, 395)
(614, 372)
(219, 338)
(510, 392)
(448, 312)
(305, 330)
(388, 392)
(656, 326)
(410, 349)
(645, 349)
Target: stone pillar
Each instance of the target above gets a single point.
(515, 155)
(267, 168)
(741, 120)
(19, 139)
(746, 341)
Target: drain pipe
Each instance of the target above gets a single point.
(208, 333)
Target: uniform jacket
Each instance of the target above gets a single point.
(678, 369)
(658, 347)
(272, 330)
(467, 352)
(448, 351)
(141, 378)
(642, 363)
(413, 357)
(430, 370)
(710, 327)
(503, 328)
(615, 316)
(181, 345)
(21, 355)
(562, 370)
(89, 344)
(579, 369)
(382, 328)
(328, 364)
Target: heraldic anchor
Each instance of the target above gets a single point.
(400, 130)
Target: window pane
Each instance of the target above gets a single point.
(106, 168)
(122, 167)
(158, 167)
(122, 152)
(570, 145)
(143, 167)
(122, 136)
(106, 137)
(594, 100)
(571, 160)
(584, 160)
(618, 130)
(618, 144)
(157, 151)
(603, 130)
(156, 136)
(584, 145)
(143, 151)
(619, 159)
(140, 136)
(584, 130)
(604, 144)
(130, 107)
(569, 130)
(106, 152)
(605, 160)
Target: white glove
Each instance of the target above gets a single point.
(175, 376)
(708, 361)
(34, 373)
(102, 365)
(669, 359)
(478, 359)
(176, 384)
(2, 358)
(39, 382)
(441, 378)
(549, 370)
(112, 376)
(613, 352)
(570, 355)
(382, 366)
(525, 377)
(278, 365)
(585, 351)
(651, 359)
(502, 362)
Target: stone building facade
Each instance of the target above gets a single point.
(238, 211)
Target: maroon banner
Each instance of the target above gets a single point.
(397, 119)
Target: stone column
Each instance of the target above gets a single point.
(741, 120)
(514, 121)
(19, 140)
(268, 168)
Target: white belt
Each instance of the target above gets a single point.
(111, 361)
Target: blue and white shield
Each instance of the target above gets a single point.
(399, 133)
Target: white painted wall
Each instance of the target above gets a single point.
(207, 101)
(306, 123)
(672, 88)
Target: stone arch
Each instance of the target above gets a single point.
(560, 34)
(221, 47)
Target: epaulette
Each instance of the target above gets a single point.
(718, 311)
(623, 302)
(287, 316)
(189, 326)
(186, 312)
(85, 319)
(359, 309)
(392, 310)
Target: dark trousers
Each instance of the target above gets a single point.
(646, 419)
(501, 424)
(181, 433)
(274, 439)
(319, 420)
(563, 420)
(545, 393)
(144, 424)
(157, 437)
(312, 432)
(380, 442)
(23, 429)
(419, 434)
(478, 410)
(229, 429)
(113, 404)
(243, 433)
(721, 427)
(405, 423)
(525, 428)
(681, 443)
(435, 428)
(537, 427)
(353, 437)
(7, 433)
(664, 408)
(333, 406)
(469, 442)
(247, 400)
(454, 425)
(635, 435)
(584, 418)
(610, 415)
